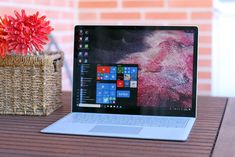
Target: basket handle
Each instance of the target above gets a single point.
(56, 64)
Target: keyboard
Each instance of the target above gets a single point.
(133, 120)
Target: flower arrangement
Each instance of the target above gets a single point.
(30, 77)
(23, 33)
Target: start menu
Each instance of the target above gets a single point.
(108, 86)
(102, 85)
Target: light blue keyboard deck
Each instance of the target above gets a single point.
(131, 120)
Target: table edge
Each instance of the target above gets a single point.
(226, 136)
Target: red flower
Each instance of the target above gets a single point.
(3, 43)
(27, 33)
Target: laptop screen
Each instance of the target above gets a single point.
(145, 70)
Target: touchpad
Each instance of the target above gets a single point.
(116, 129)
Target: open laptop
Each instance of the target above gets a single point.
(133, 82)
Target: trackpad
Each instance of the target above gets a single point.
(116, 129)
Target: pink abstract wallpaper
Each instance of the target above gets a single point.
(164, 58)
(165, 69)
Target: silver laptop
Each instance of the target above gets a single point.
(133, 82)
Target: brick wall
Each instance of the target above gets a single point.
(65, 13)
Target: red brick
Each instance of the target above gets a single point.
(97, 4)
(205, 27)
(143, 4)
(201, 15)
(52, 14)
(204, 63)
(120, 16)
(87, 16)
(167, 15)
(10, 11)
(7, 10)
(205, 51)
(62, 27)
(72, 3)
(190, 3)
(42, 2)
(33, 11)
(67, 15)
(61, 3)
(204, 75)
(204, 87)
(205, 39)
(23, 1)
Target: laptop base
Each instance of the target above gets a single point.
(70, 125)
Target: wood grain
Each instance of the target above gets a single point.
(20, 136)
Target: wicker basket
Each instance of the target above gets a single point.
(30, 85)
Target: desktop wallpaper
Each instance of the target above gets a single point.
(164, 58)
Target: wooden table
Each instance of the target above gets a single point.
(20, 136)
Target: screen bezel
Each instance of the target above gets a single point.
(139, 111)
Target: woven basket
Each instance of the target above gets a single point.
(30, 85)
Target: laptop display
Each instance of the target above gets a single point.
(144, 70)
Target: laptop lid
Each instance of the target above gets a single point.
(142, 70)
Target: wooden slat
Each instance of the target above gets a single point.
(20, 136)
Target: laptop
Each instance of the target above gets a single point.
(132, 82)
